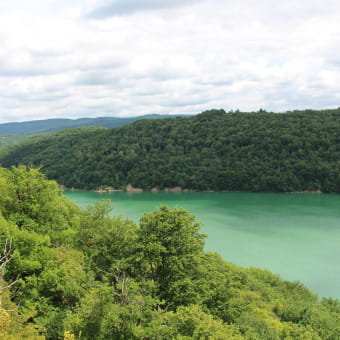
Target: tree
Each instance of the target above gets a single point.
(35, 204)
(108, 242)
(189, 322)
(12, 325)
(168, 248)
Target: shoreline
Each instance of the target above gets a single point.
(130, 188)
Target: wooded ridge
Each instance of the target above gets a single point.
(215, 150)
(11, 133)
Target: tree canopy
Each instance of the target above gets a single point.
(11, 133)
(215, 150)
(68, 273)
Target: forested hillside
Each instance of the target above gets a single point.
(215, 150)
(11, 133)
(67, 273)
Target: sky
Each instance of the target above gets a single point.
(91, 58)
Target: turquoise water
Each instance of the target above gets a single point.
(294, 235)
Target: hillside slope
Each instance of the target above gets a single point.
(54, 125)
(11, 133)
(68, 273)
(215, 150)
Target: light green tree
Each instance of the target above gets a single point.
(169, 246)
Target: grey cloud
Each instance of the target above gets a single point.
(7, 71)
(230, 80)
(184, 102)
(102, 65)
(280, 97)
(52, 63)
(95, 79)
(126, 7)
(146, 93)
(23, 73)
(99, 109)
(32, 98)
(46, 53)
(221, 83)
(38, 66)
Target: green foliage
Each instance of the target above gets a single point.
(117, 312)
(6, 140)
(108, 243)
(52, 125)
(11, 133)
(326, 324)
(34, 204)
(13, 327)
(169, 245)
(215, 150)
(189, 322)
(67, 273)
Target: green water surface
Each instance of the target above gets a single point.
(294, 235)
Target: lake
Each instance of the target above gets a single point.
(294, 235)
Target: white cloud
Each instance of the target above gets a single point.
(166, 57)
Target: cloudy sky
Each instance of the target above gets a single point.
(89, 58)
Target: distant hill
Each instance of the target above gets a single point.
(11, 133)
(54, 125)
(215, 150)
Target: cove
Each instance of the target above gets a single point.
(294, 235)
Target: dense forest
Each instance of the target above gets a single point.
(67, 273)
(11, 133)
(215, 150)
